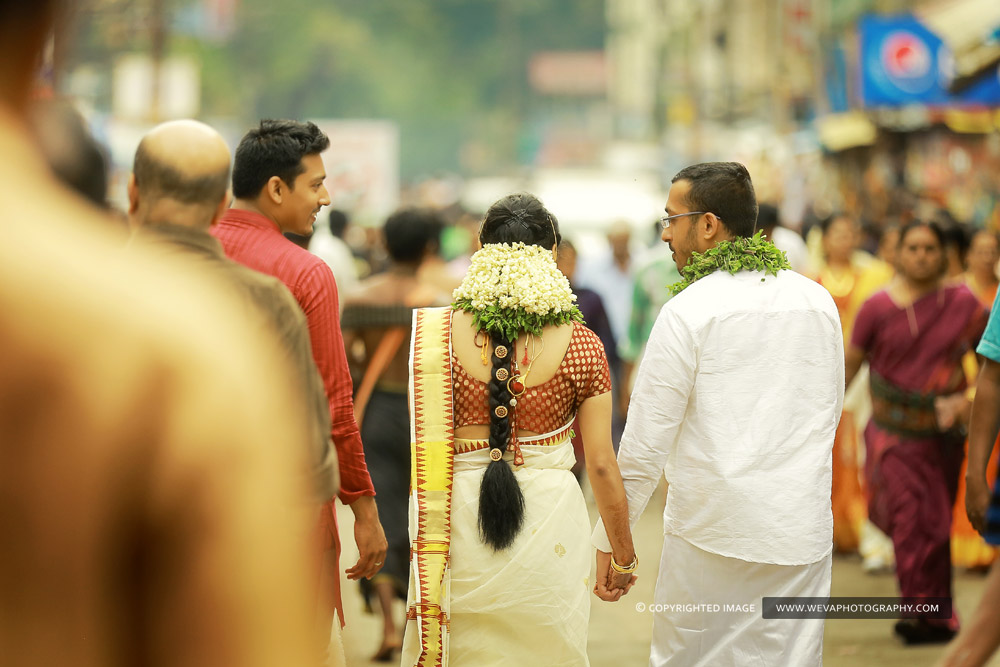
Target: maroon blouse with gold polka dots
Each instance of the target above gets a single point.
(582, 373)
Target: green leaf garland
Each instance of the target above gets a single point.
(740, 254)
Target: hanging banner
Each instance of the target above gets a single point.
(903, 62)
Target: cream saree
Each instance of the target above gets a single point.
(468, 605)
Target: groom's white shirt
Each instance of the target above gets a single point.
(736, 402)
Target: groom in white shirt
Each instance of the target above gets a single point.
(736, 403)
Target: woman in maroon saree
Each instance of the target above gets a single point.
(913, 334)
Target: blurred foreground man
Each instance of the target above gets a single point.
(278, 179)
(979, 638)
(736, 403)
(138, 460)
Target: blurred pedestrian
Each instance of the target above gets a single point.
(840, 271)
(378, 316)
(785, 239)
(590, 302)
(956, 245)
(914, 334)
(651, 291)
(880, 270)
(983, 426)
(840, 275)
(968, 549)
(278, 179)
(980, 637)
(610, 275)
(596, 318)
(328, 244)
(874, 273)
(981, 266)
(75, 156)
(434, 271)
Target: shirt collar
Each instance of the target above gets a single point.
(242, 216)
(190, 238)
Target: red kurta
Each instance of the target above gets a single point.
(256, 241)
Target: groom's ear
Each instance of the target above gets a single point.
(713, 229)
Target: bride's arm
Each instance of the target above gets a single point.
(606, 481)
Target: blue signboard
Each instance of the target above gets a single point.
(903, 62)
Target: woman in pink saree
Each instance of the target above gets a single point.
(914, 334)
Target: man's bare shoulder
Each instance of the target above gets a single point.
(121, 323)
(373, 290)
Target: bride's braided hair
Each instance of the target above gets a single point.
(513, 219)
(501, 503)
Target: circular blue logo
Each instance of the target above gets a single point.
(907, 62)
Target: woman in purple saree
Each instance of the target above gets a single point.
(913, 335)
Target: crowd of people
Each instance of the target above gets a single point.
(622, 291)
(182, 405)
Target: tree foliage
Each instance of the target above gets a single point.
(446, 70)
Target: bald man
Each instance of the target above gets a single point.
(177, 190)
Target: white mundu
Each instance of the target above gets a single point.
(736, 402)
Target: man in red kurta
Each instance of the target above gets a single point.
(278, 187)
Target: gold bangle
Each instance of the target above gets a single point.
(629, 569)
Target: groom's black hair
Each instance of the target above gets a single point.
(725, 189)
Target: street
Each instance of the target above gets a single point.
(620, 635)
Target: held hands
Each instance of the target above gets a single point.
(611, 585)
(369, 537)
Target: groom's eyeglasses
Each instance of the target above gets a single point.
(665, 220)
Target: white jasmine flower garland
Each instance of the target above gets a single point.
(515, 287)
